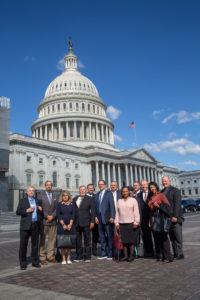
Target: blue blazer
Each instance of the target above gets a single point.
(107, 206)
(119, 195)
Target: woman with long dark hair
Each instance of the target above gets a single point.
(159, 202)
(127, 221)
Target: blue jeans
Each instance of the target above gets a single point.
(106, 232)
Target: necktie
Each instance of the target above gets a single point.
(145, 197)
(100, 199)
(50, 197)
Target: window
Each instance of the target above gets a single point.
(188, 182)
(77, 183)
(70, 106)
(65, 83)
(71, 130)
(181, 182)
(52, 108)
(28, 179)
(54, 162)
(67, 182)
(58, 107)
(54, 179)
(79, 84)
(98, 110)
(83, 107)
(94, 109)
(56, 86)
(2, 173)
(48, 109)
(195, 181)
(40, 160)
(77, 107)
(41, 180)
(28, 158)
(183, 192)
(78, 131)
(64, 106)
(196, 191)
(61, 85)
(76, 166)
(64, 132)
(89, 107)
(189, 192)
(67, 164)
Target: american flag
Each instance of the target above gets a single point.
(132, 124)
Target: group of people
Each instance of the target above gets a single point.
(94, 218)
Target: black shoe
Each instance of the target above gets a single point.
(179, 257)
(131, 258)
(123, 258)
(23, 268)
(37, 266)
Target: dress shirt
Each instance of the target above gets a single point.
(115, 198)
(78, 201)
(34, 213)
(49, 196)
(127, 211)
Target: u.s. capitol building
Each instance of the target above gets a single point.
(72, 141)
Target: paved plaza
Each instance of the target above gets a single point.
(141, 279)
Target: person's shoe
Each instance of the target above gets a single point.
(87, 261)
(63, 262)
(44, 262)
(130, 258)
(37, 266)
(23, 268)
(78, 260)
(124, 258)
(166, 261)
(179, 257)
(69, 262)
(101, 257)
(53, 260)
(109, 258)
(94, 252)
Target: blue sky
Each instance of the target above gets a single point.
(143, 57)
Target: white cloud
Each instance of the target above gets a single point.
(113, 112)
(117, 138)
(181, 146)
(189, 163)
(182, 117)
(29, 58)
(171, 135)
(156, 113)
(60, 64)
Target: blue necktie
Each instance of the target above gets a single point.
(100, 200)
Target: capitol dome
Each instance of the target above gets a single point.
(72, 111)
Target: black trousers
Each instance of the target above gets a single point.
(83, 252)
(147, 239)
(33, 232)
(162, 245)
(95, 237)
(176, 238)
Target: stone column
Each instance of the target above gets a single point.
(75, 131)
(152, 179)
(106, 134)
(102, 133)
(126, 174)
(114, 173)
(131, 173)
(45, 132)
(108, 168)
(103, 171)
(119, 176)
(144, 173)
(96, 126)
(52, 132)
(40, 132)
(59, 131)
(97, 172)
(90, 133)
(82, 130)
(140, 173)
(136, 174)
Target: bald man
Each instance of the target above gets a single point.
(174, 197)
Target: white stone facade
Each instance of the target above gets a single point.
(190, 184)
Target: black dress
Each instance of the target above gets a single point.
(65, 212)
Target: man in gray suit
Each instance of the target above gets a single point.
(49, 203)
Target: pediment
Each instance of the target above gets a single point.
(142, 154)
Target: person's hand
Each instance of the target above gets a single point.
(117, 227)
(39, 208)
(30, 209)
(156, 205)
(135, 225)
(69, 227)
(149, 224)
(111, 220)
(96, 221)
(50, 218)
(174, 220)
(65, 227)
(91, 226)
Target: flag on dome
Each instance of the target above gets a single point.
(132, 124)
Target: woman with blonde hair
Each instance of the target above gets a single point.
(65, 213)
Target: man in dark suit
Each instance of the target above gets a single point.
(144, 220)
(30, 210)
(95, 233)
(105, 215)
(116, 193)
(49, 203)
(174, 197)
(84, 222)
(137, 194)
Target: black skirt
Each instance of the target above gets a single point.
(128, 233)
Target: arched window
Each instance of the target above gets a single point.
(54, 179)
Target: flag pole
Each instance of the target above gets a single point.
(135, 136)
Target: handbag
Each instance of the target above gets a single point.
(117, 241)
(160, 223)
(66, 241)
